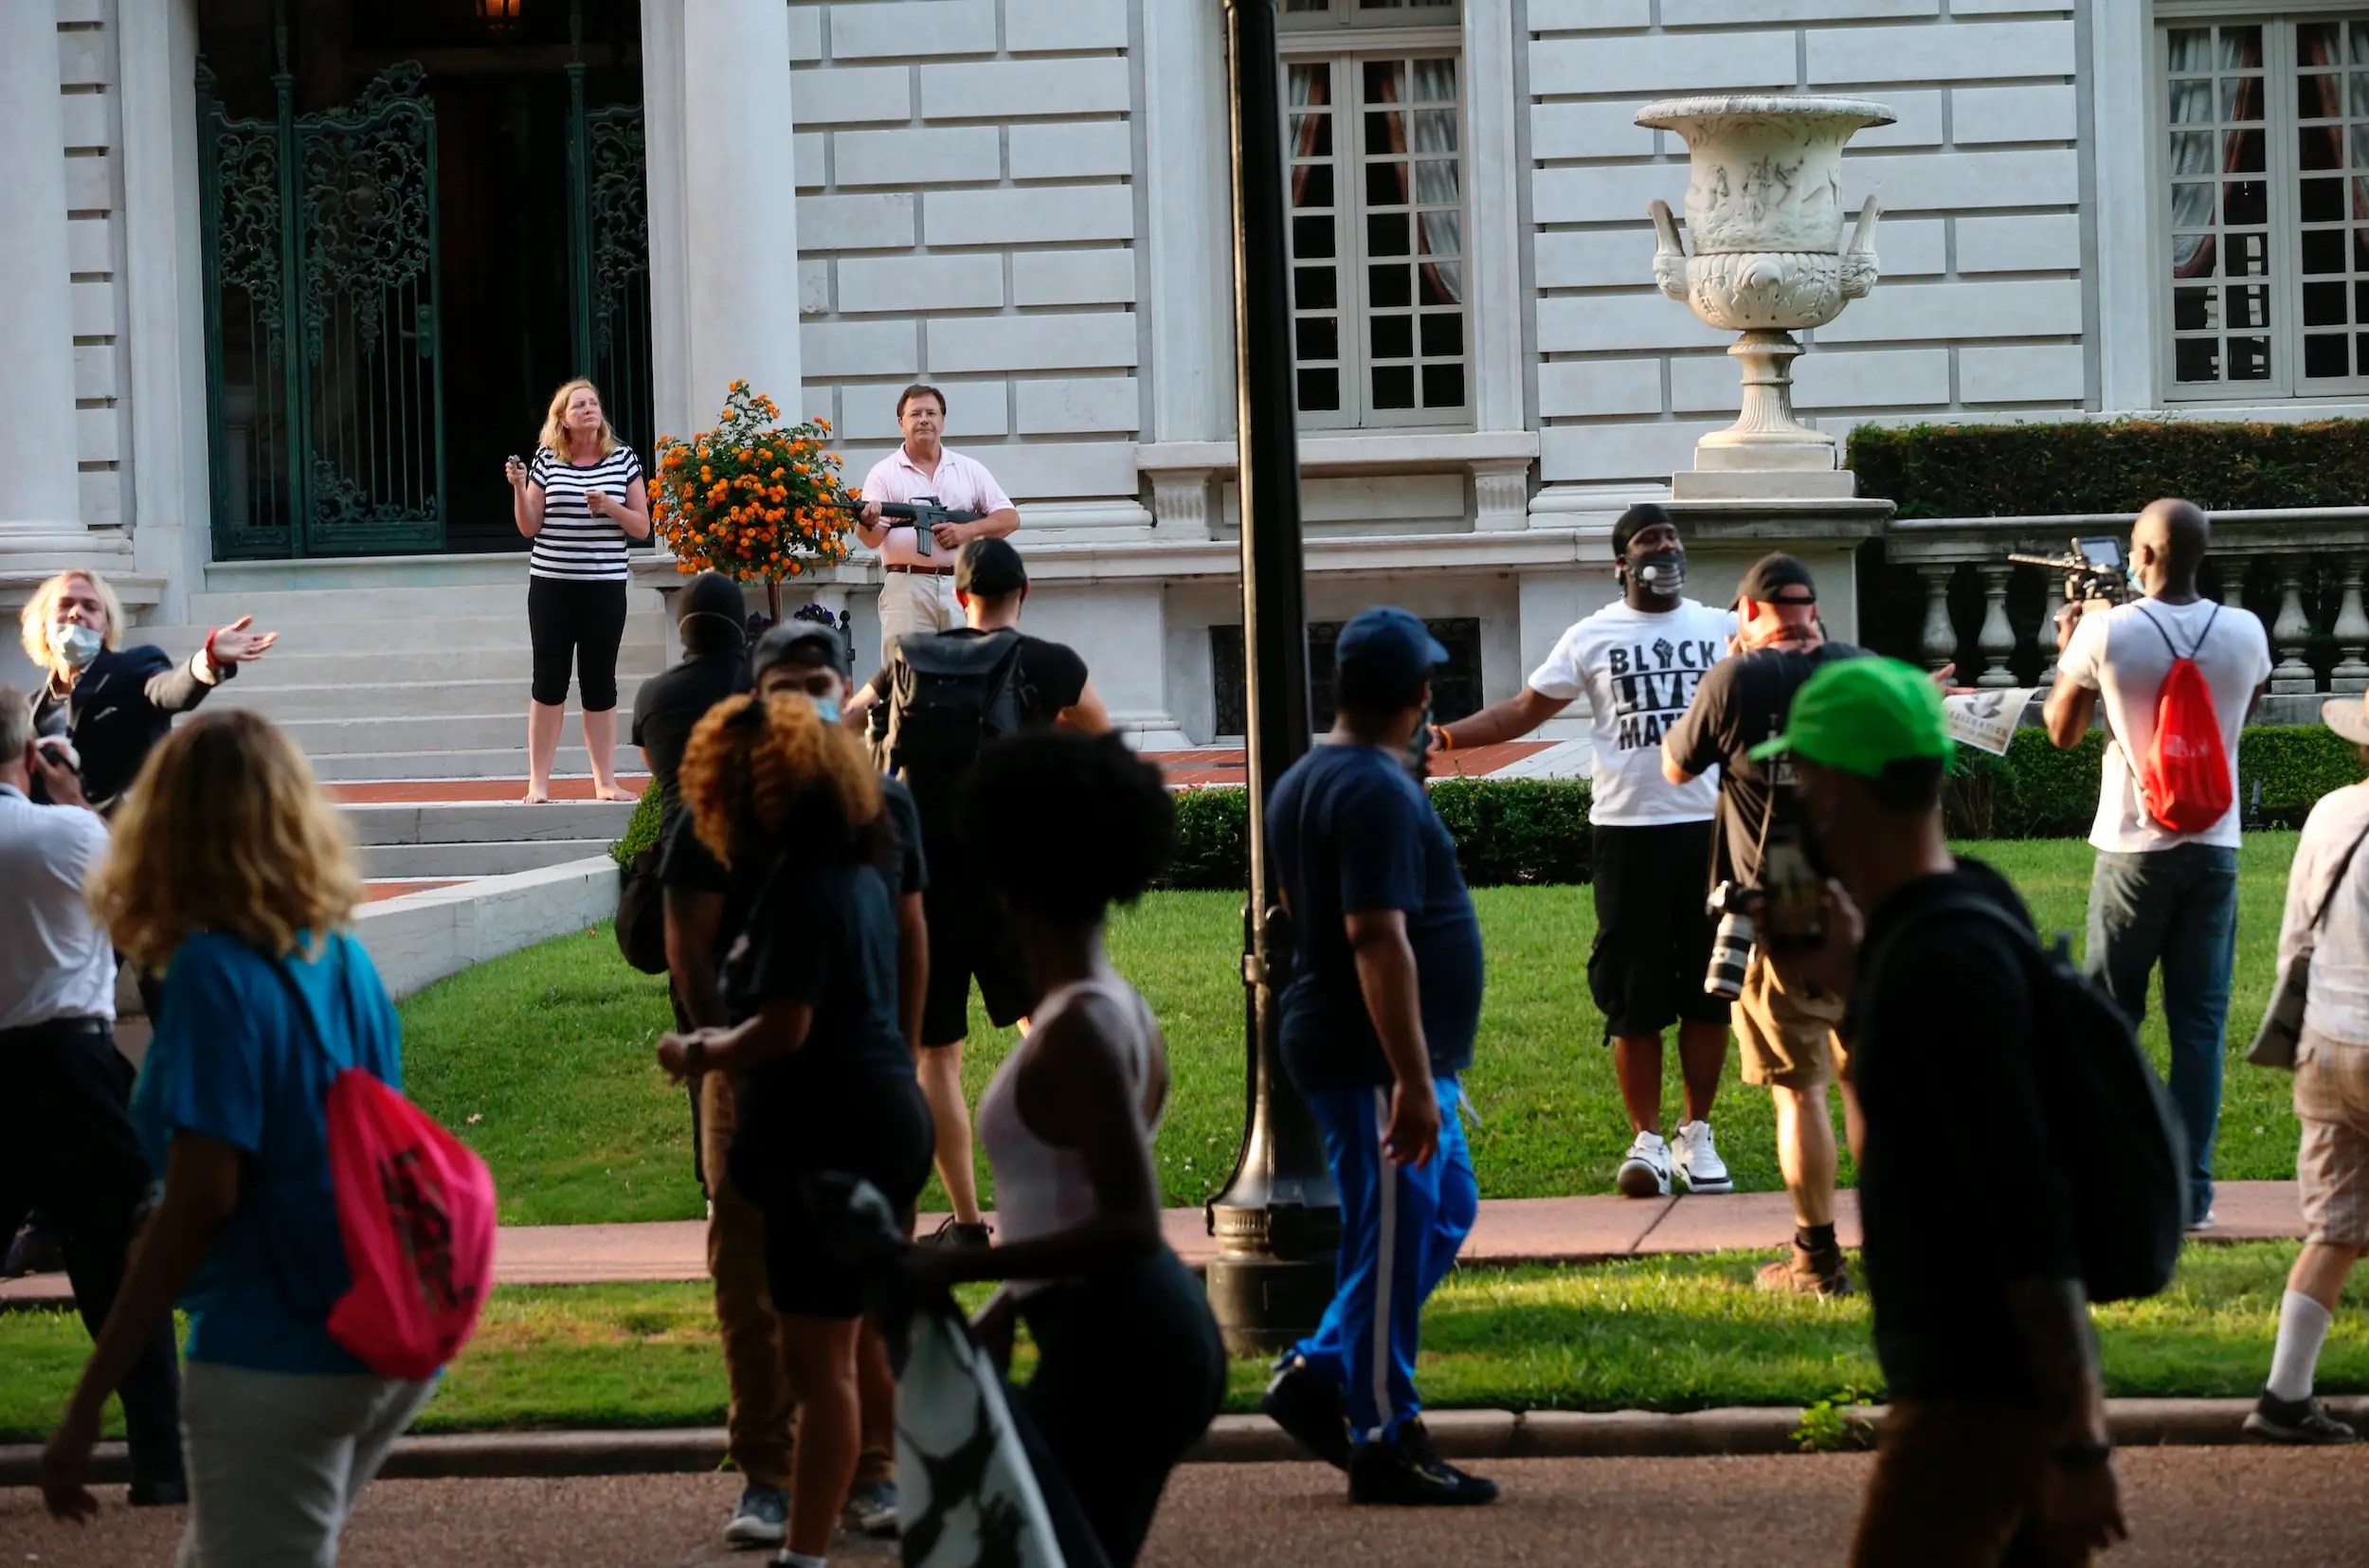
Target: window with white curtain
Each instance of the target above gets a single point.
(2266, 168)
(1374, 139)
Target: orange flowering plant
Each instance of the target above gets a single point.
(752, 498)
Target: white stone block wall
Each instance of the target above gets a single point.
(94, 182)
(1980, 308)
(967, 216)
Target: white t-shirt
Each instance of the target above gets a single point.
(1639, 668)
(2121, 656)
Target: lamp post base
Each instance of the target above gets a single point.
(1266, 1304)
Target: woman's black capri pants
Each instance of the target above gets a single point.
(575, 622)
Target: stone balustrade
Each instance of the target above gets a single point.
(1948, 593)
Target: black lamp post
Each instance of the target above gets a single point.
(1278, 1220)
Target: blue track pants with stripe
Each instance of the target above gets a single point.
(1401, 1228)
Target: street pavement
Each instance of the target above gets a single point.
(2189, 1508)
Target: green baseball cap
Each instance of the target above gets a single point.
(1861, 715)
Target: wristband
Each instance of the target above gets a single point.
(211, 663)
(1440, 738)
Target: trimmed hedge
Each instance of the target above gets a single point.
(2109, 466)
(641, 832)
(1534, 831)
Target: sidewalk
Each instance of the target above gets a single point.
(1512, 1230)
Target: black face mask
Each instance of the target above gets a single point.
(1663, 575)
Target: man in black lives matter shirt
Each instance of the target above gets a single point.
(1638, 661)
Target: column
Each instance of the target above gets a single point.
(1997, 637)
(2352, 631)
(40, 506)
(723, 222)
(2289, 633)
(1939, 641)
(1191, 234)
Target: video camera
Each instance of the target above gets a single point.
(2095, 577)
(924, 515)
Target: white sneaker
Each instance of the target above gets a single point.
(1699, 1165)
(1646, 1171)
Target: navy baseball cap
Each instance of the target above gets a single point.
(1391, 642)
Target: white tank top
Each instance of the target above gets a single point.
(1040, 1189)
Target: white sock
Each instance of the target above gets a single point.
(2302, 1329)
(788, 1559)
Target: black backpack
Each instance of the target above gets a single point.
(949, 694)
(2126, 1158)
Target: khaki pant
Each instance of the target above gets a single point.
(1954, 1486)
(915, 602)
(1787, 1039)
(2332, 1160)
(762, 1415)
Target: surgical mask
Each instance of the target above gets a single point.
(75, 644)
(1663, 575)
(825, 708)
(1418, 756)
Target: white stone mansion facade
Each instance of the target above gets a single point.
(2090, 210)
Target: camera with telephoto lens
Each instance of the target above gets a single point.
(1731, 944)
(2095, 574)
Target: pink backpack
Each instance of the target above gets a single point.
(416, 1212)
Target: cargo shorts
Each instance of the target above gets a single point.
(1786, 1038)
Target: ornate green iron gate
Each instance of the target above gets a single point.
(322, 383)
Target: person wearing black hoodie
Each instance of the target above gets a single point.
(711, 619)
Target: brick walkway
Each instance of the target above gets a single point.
(1512, 1230)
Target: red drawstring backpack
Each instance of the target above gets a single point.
(416, 1212)
(2184, 785)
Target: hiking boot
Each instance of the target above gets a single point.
(2301, 1422)
(955, 1237)
(1803, 1273)
(1699, 1165)
(1311, 1409)
(1645, 1172)
(761, 1519)
(872, 1510)
(1407, 1471)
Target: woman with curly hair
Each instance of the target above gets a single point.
(584, 502)
(816, 1049)
(230, 870)
(1066, 825)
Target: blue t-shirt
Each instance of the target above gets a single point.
(234, 1059)
(1350, 831)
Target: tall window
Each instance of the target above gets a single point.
(2267, 166)
(1376, 184)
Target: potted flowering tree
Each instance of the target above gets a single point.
(752, 498)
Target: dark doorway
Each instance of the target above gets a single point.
(535, 108)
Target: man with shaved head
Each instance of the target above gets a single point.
(2159, 896)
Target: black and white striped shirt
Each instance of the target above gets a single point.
(574, 543)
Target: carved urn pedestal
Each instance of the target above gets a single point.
(1764, 209)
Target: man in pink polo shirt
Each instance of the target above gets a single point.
(917, 590)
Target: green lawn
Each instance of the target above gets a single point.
(545, 1059)
(1655, 1334)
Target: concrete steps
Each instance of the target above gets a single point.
(413, 671)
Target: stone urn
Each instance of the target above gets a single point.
(1765, 207)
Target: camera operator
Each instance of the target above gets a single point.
(916, 580)
(1637, 663)
(69, 1144)
(1995, 1447)
(1786, 1033)
(2157, 894)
